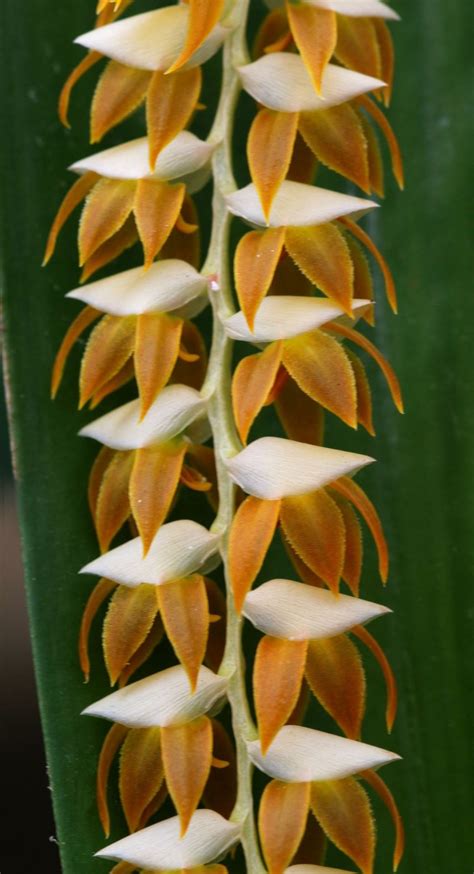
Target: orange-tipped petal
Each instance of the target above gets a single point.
(357, 45)
(352, 569)
(73, 198)
(382, 790)
(109, 347)
(157, 207)
(250, 536)
(120, 90)
(353, 493)
(221, 788)
(363, 285)
(113, 740)
(252, 382)
(392, 142)
(336, 677)
(126, 237)
(374, 158)
(337, 138)
(389, 677)
(128, 621)
(203, 16)
(315, 34)
(96, 476)
(113, 505)
(269, 150)
(343, 810)
(256, 259)
(281, 822)
(315, 528)
(77, 73)
(217, 629)
(80, 323)
(185, 612)
(154, 806)
(372, 350)
(153, 483)
(364, 395)
(323, 371)
(143, 652)
(141, 772)
(322, 254)
(301, 417)
(301, 568)
(157, 344)
(124, 375)
(387, 57)
(97, 597)
(170, 103)
(277, 677)
(106, 210)
(187, 756)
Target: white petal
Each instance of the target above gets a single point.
(178, 549)
(295, 611)
(168, 285)
(280, 317)
(273, 467)
(281, 81)
(208, 837)
(357, 8)
(175, 407)
(152, 40)
(304, 755)
(314, 869)
(161, 699)
(181, 157)
(295, 204)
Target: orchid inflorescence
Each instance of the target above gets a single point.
(318, 73)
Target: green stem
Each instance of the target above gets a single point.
(217, 389)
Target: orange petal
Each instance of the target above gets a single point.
(113, 740)
(154, 806)
(363, 286)
(126, 237)
(107, 207)
(389, 677)
(372, 350)
(323, 371)
(203, 16)
(357, 45)
(74, 197)
(353, 493)
(353, 555)
(97, 597)
(269, 150)
(382, 790)
(277, 677)
(392, 142)
(374, 158)
(185, 613)
(256, 259)
(157, 206)
(273, 29)
(315, 34)
(336, 677)
(364, 395)
(298, 713)
(143, 652)
(123, 868)
(322, 254)
(302, 418)
(387, 56)
(141, 772)
(337, 138)
(185, 246)
(113, 505)
(157, 342)
(80, 323)
(153, 483)
(96, 476)
(303, 163)
(314, 526)
(301, 568)
(170, 103)
(343, 810)
(129, 619)
(120, 90)
(194, 372)
(77, 73)
(109, 347)
(250, 536)
(281, 822)
(221, 788)
(192, 479)
(124, 375)
(187, 755)
(252, 382)
(217, 629)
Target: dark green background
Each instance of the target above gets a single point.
(422, 484)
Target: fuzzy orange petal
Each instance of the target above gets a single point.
(141, 772)
(277, 677)
(157, 342)
(256, 259)
(157, 207)
(250, 536)
(80, 323)
(353, 493)
(391, 684)
(269, 150)
(124, 375)
(171, 101)
(342, 808)
(126, 237)
(97, 597)
(187, 756)
(185, 612)
(386, 128)
(107, 208)
(113, 505)
(281, 822)
(101, 463)
(119, 92)
(364, 395)
(143, 653)
(128, 621)
(301, 417)
(322, 254)
(252, 382)
(315, 34)
(378, 785)
(337, 138)
(315, 528)
(153, 483)
(352, 569)
(357, 45)
(73, 198)
(74, 76)
(387, 56)
(336, 677)
(112, 743)
(109, 347)
(203, 16)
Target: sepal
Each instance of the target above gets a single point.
(280, 317)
